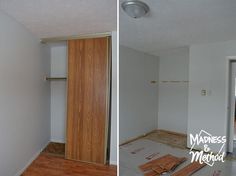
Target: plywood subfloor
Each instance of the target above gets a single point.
(48, 165)
(138, 152)
(170, 138)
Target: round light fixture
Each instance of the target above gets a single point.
(134, 8)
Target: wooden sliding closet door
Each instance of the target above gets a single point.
(88, 99)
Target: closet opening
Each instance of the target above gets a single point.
(80, 82)
(58, 97)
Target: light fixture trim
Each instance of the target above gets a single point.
(135, 13)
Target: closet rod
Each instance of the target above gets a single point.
(83, 36)
(55, 78)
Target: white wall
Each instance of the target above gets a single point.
(137, 96)
(113, 143)
(208, 71)
(24, 97)
(58, 92)
(173, 97)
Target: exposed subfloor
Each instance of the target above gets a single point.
(49, 165)
(143, 150)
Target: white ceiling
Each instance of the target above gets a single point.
(179, 23)
(54, 18)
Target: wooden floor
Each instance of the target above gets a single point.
(55, 149)
(167, 137)
(48, 165)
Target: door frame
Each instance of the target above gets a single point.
(230, 104)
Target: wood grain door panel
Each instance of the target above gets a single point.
(88, 99)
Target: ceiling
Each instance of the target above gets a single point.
(58, 18)
(179, 23)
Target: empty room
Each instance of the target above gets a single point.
(177, 87)
(58, 63)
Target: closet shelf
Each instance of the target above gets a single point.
(55, 78)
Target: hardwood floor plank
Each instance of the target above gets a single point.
(47, 165)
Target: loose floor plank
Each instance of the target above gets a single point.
(167, 162)
(189, 169)
(151, 173)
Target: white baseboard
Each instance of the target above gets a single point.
(113, 162)
(58, 141)
(31, 160)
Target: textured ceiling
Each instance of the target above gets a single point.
(179, 23)
(53, 18)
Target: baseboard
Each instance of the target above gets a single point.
(58, 141)
(135, 138)
(113, 163)
(172, 132)
(31, 160)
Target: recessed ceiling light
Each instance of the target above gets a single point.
(134, 8)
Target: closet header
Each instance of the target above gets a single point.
(59, 39)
